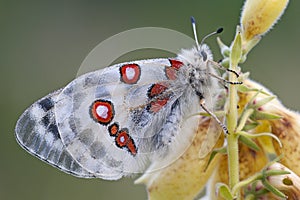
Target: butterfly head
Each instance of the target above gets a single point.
(196, 57)
(198, 66)
(203, 49)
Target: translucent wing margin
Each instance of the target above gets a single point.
(36, 131)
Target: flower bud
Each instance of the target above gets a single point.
(287, 183)
(258, 17)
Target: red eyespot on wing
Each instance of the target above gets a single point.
(156, 89)
(130, 73)
(113, 129)
(158, 97)
(131, 147)
(171, 71)
(122, 138)
(102, 111)
(176, 64)
(158, 104)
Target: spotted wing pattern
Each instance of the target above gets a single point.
(112, 122)
(37, 133)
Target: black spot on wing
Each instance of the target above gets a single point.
(46, 104)
(37, 133)
(46, 120)
(140, 117)
(54, 130)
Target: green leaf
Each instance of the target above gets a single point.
(259, 115)
(225, 51)
(274, 172)
(243, 88)
(224, 191)
(262, 102)
(244, 118)
(236, 50)
(250, 135)
(272, 189)
(243, 58)
(250, 126)
(250, 143)
(265, 174)
(213, 154)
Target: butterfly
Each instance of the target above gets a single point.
(123, 119)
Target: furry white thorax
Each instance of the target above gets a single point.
(194, 58)
(198, 72)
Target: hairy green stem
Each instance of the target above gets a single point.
(232, 117)
(232, 138)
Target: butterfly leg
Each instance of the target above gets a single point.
(203, 106)
(224, 80)
(223, 68)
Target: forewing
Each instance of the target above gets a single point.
(105, 116)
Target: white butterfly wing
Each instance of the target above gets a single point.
(37, 133)
(110, 122)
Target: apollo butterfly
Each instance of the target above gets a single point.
(122, 119)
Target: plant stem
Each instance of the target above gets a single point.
(232, 139)
(232, 116)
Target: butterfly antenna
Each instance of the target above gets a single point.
(195, 32)
(219, 30)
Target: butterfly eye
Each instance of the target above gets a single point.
(204, 55)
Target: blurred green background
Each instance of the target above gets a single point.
(43, 43)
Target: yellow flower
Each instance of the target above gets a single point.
(258, 17)
(187, 176)
(287, 129)
(287, 183)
